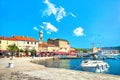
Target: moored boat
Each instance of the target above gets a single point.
(94, 66)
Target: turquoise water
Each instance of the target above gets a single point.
(114, 66)
(74, 64)
(113, 63)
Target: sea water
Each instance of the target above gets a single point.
(74, 64)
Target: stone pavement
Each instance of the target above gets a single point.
(20, 64)
(25, 70)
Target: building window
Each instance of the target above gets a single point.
(31, 42)
(65, 48)
(35, 42)
(0, 42)
(28, 42)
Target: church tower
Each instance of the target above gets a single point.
(40, 36)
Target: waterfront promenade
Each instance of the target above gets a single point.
(25, 70)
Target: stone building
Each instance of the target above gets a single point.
(63, 45)
(45, 47)
(53, 44)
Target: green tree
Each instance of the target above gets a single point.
(13, 49)
(33, 52)
(83, 50)
(21, 52)
(26, 52)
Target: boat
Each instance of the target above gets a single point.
(110, 53)
(95, 66)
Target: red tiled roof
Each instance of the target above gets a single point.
(1, 37)
(24, 38)
(18, 38)
(45, 44)
(12, 39)
(6, 38)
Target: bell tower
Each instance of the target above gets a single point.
(40, 36)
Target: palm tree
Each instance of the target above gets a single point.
(12, 49)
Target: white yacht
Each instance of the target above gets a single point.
(94, 66)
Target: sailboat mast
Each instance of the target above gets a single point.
(100, 45)
(93, 46)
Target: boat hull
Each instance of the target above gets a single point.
(95, 66)
(95, 69)
(89, 69)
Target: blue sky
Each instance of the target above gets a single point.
(81, 22)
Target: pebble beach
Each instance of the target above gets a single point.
(24, 69)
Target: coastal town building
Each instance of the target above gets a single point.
(56, 45)
(45, 47)
(21, 41)
(95, 49)
(63, 45)
(53, 44)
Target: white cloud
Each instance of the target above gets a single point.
(58, 12)
(51, 8)
(73, 15)
(48, 32)
(49, 27)
(42, 27)
(78, 32)
(35, 28)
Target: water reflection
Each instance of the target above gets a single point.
(74, 64)
(56, 63)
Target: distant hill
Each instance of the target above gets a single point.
(85, 50)
(112, 48)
